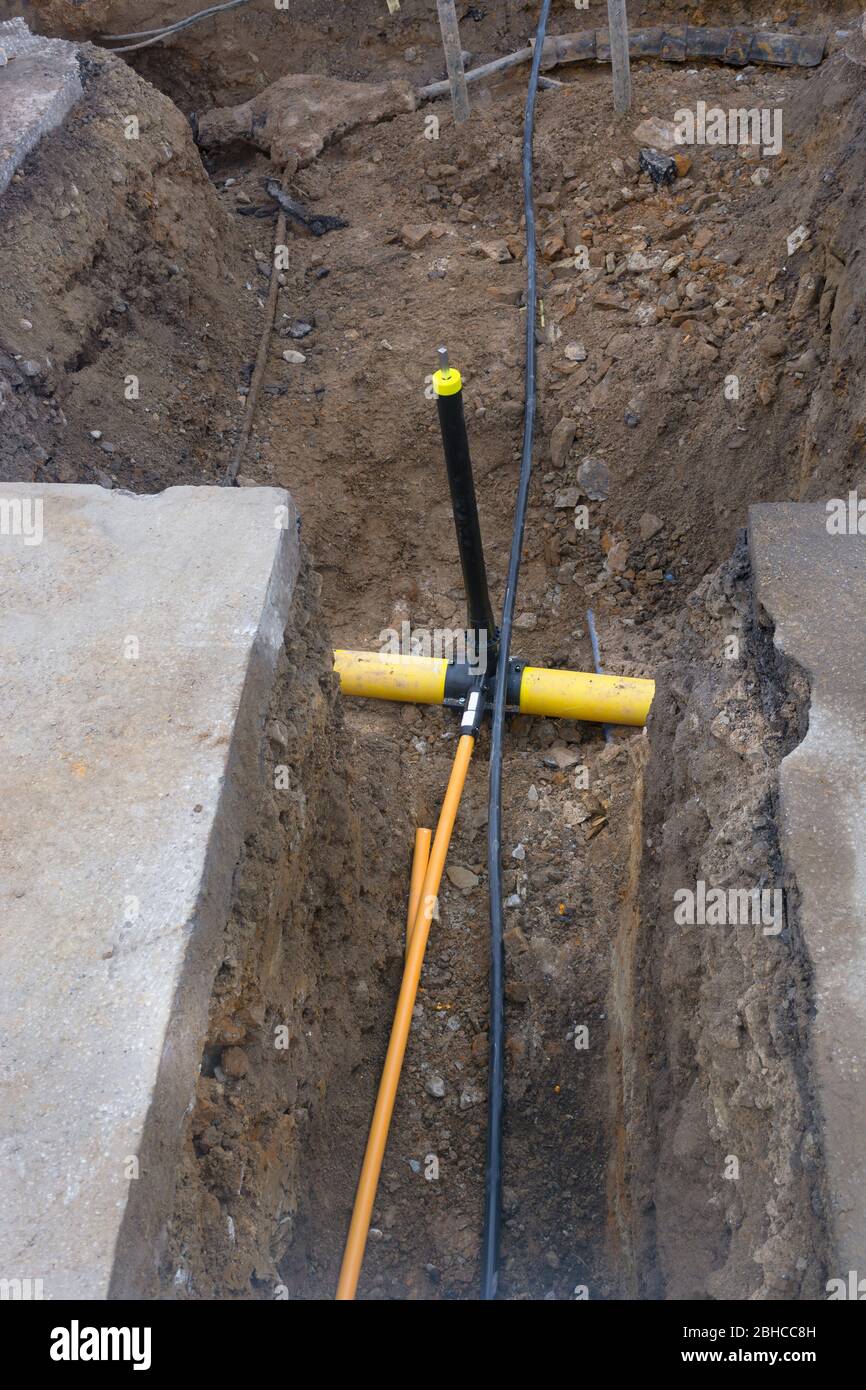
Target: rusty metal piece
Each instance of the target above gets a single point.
(788, 50)
(569, 48)
(673, 47)
(645, 43)
(679, 43)
(737, 48)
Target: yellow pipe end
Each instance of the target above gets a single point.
(420, 679)
(580, 695)
(447, 383)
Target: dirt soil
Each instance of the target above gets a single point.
(124, 257)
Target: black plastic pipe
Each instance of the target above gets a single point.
(455, 443)
(496, 1073)
(460, 678)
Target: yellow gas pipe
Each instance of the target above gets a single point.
(555, 694)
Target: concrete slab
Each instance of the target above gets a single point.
(39, 84)
(138, 642)
(813, 585)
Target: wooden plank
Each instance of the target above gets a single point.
(454, 60)
(617, 21)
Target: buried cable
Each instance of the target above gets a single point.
(152, 36)
(496, 1075)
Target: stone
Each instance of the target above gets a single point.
(435, 1086)
(706, 351)
(797, 239)
(657, 133)
(575, 352)
(772, 346)
(594, 478)
(294, 357)
(766, 391)
(566, 498)
(805, 362)
(235, 1062)
(294, 118)
(140, 637)
(39, 85)
(561, 440)
(660, 168)
(649, 526)
(702, 239)
(808, 290)
(415, 233)
(493, 250)
(561, 756)
(617, 557)
(461, 877)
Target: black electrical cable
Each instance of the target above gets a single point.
(496, 1076)
(152, 36)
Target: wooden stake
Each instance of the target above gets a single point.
(617, 20)
(454, 60)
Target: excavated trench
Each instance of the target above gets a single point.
(640, 1058)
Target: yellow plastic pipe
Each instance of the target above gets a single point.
(417, 678)
(420, 859)
(555, 694)
(579, 695)
(372, 1166)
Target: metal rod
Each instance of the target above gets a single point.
(596, 657)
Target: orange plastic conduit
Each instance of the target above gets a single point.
(420, 859)
(372, 1166)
